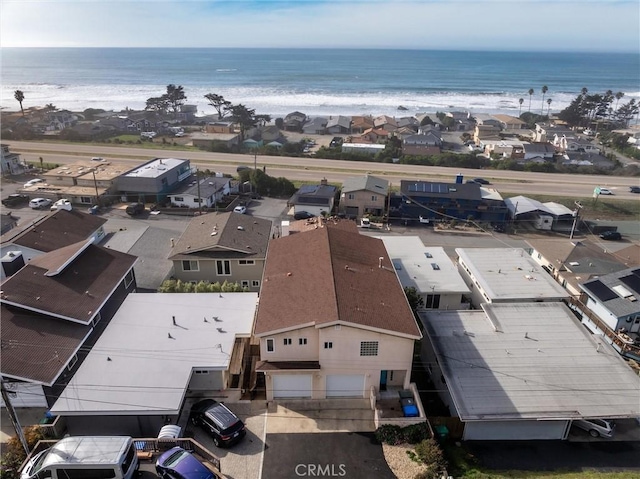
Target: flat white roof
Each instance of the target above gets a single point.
(414, 262)
(155, 168)
(529, 360)
(142, 362)
(88, 450)
(507, 274)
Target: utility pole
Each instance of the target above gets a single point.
(13, 416)
(95, 184)
(576, 213)
(199, 198)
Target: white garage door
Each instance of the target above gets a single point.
(515, 430)
(292, 385)
(345, 385)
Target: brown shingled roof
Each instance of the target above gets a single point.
(56, 230)
(332, 274)
(35, 347)
(236, 235)
(77, 292)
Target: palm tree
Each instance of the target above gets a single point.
(549, 105)
(531, 91)
(619, 96)
(584, 91)
(18, 95)
(545, 89)
(521, 101)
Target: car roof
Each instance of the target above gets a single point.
(217, 412)
(187, 465)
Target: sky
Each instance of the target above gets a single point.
(520, 25)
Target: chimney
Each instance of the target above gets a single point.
(380, 261)
(173, 242)
(323, 182)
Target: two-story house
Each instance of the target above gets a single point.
(152, 180)
(364, 195)
(333, 320)
(314, 199)
(219, 247)
(196, 192)
(10, 163)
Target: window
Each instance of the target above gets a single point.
(128, 279)
(271, 345)
(328, 345)
(190, 265)
(87, 473)
(435, 266)
(244, 283)
(368, 348)
(255, 283)
(72, 362)
(287, 341)
(246, 262)
(351, 196)
(87, 200)
(200, 371)
(224, 267)
(433, 301)
(302, 341)
(178, 198)
(374, 198)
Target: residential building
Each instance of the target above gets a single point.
(487, 120)
(524, 371)
(153, 180)
(543, 216)
(196, 192)
(211, 141)
(385, 122)
(364, 148)
(219, 247)
(271, 133)
(545, 151)
(510, 123)
(427, 143)
(506, 275)
(429, 271)
(362, 195)
(315, 126)
(333, 320)
(294, 121)
(360, 124)
(158, 351)
(483, 134)
(375, 135)
(53, 310)
(338, 125)
(11, 163)
(314, 199)
(219, 126)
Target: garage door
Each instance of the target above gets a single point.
(345, 385)
(515, 430)
(292, 385)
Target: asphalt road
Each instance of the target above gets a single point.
(313, 169)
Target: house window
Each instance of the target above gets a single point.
(190, 265)
(128, 279)
(374, 198)
(178, 198)
(351, 196)
(539, 256)
(87, 200)
(271, 345)
(200, 371)
(255, 283)
(224, 267)
(433, 301)
(244, 283)
(246, 262)
(368, 348)
(328, 345)
(287, 341)
(302, 341)
(72, 362)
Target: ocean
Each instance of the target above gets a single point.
(313, 81)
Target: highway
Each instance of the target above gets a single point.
(313, 169)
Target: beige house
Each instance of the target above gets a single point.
(333, 320)
(364, 194)
(220, 247)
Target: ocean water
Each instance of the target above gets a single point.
(314, 81)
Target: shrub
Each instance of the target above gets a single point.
(395, 435)
(389, 434)
(416, 433)
(14, 454)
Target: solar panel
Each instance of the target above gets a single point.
(602, 292)
(632, 281)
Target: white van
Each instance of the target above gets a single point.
(85, 457)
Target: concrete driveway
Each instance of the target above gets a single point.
(327, 415)
(347, 455)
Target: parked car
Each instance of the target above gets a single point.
(240, 209)
(481, 181)
(634, 189)
(39, 203)
(302, 215)
(596, 427)
(177, 463)
(499, 227)
(218, 420)
(97, 158)
(135, 209)
(611, 236)
(62, 204)
(35, 181)
(15, 200)
(241, 168)
(605, 191)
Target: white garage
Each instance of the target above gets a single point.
(292, 385)
(345, 385)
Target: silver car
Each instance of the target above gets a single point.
(596, 427)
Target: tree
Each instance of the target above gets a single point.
(545, 89)
(218, 103)
(619, 96)
(263, 119)
(159, 104)
(244, 117)
(520, 101)
(175, 97)
(549, 100)
(531, 91)
(19, 96)
(50, 107)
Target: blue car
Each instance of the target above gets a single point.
(177, 463)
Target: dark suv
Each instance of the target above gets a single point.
(15, 200)
(135, 209)
(218, 420)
